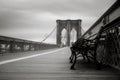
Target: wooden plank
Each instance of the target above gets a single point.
(54, 66)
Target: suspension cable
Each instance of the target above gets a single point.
(82, 30)
(48, 35)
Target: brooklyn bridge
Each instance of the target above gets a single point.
(77, 54)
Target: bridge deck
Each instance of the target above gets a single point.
(54, 66)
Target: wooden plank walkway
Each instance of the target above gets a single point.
(55, 66)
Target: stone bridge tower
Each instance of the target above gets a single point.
(68, 25)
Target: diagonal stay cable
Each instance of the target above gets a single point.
(82, 30)
(48, 35)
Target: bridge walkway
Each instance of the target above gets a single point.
(53, 65)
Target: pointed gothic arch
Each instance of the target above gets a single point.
(63, 37)
(73, 36)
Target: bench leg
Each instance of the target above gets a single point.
(74, 61)
(71, 57)
(87, 56)
(98, 65)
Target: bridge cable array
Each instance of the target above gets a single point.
(82, 31)
(48, 35)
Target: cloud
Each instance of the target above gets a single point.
(31, 19)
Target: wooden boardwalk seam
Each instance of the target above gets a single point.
(54, 67)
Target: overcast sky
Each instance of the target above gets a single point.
(35, 19)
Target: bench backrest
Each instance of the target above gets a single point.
(82, 43)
